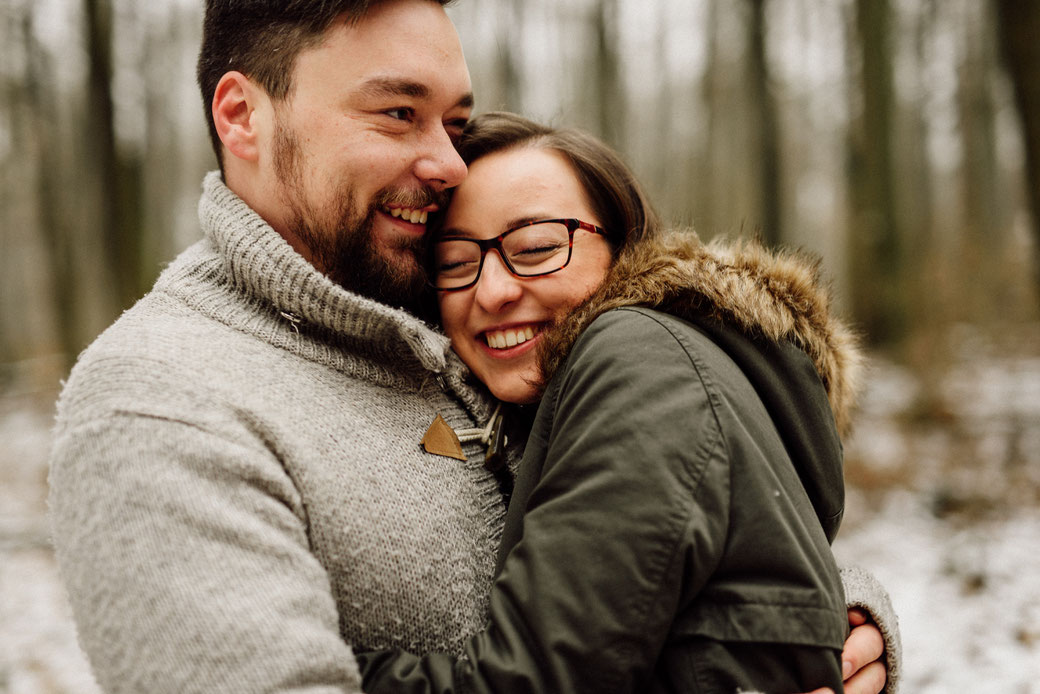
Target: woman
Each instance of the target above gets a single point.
(671, 520)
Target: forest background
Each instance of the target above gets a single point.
(898, 140)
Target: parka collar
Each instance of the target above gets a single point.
(776, 297)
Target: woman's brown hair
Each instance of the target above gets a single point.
(612, 189)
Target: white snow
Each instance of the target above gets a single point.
(967, 596)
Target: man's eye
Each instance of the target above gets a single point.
(399, 113)
(454, 129)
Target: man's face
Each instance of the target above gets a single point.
(363, 148)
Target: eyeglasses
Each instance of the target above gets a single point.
(529, 250)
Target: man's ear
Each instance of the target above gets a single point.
(237, 104)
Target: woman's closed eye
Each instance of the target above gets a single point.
(538, 249)
(533, 255)
(455, 267)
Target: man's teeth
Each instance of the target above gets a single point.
(413, 216)
(503, 339)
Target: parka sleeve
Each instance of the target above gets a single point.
(627, 521)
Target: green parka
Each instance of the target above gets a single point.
(670, 525)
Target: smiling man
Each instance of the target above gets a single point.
(238, 489)
(350, 161)
(239, 497)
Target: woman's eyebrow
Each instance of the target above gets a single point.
(512, 224)
(453, 231)
(527, 219)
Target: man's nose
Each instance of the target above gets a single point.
(440, 165)
(497, 287)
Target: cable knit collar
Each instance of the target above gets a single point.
(285, 298)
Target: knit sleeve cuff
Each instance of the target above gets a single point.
(864, 591)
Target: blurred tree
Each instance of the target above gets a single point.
(916, 205)
(509, 56)
(512, 52)
(926, 285)
(765, 125)
(662, 141)
(52, 219)
(876, 263)
(118, 178)
(12, 103)
(1019, 26)
(609, 97)
(983, 214)
(717, 193)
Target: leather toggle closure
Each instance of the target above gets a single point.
(441, 439)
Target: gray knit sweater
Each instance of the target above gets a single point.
(237, 486)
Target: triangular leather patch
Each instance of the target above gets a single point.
(440, 439)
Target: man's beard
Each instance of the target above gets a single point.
(340, 240)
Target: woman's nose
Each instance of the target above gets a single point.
(497, 287)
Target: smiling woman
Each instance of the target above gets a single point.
(671, 519)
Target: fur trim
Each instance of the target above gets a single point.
(776, 296)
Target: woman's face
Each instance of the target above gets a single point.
(502, 191)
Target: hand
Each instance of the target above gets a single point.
(861, 666)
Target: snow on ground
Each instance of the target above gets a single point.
(38, 650)
(943, 508)
(967, 597)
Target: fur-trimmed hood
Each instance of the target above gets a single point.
(777, 297)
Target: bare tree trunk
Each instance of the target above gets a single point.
(62, 269)
(767, 131)
(609, 92)
(510, 46)
(658, 138)
(712, 199)
(1019, 27)
(918, 205)
(12, 102)
(924, 248)
(117, 179)
(876, 260)
(978, 134)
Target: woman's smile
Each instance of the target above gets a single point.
(502, 339)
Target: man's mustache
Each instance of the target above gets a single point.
(414, 198)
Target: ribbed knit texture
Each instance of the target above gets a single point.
(864, 591)
(237, 487)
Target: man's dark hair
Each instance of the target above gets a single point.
(261, 39)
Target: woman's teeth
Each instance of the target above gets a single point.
(413, 216)
(503, 339)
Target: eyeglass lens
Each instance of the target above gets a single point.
(536, 249)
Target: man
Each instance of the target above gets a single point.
(238, 490)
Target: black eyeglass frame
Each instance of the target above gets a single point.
(496, 243)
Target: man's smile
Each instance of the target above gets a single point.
(408, 214)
